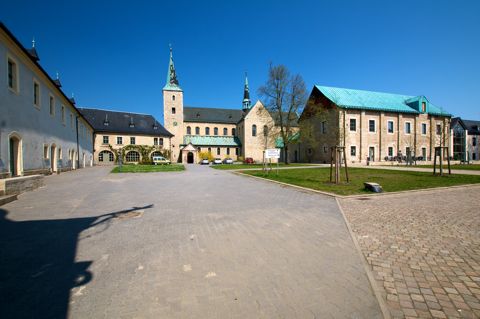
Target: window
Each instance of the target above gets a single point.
(424, 153)
(233, 131)
(218, 150)
(228, 150)
(155, 141)
(390, 126)
(119, 140)
(474, 141)
(51, 104)
(353, 125)
(103, 154)
(236, 151)
(474, 156)
(160, 141)
(424, 107)
(197, 130)
(265, 130)
(45, 151)
(424, 128)
(408, 127)
(254, 130)
(173, 97)
(36, 94)
(189, 130)
(325, 149)
(323, 127)
(132, 156)
(390, 151)
(105, 139)
(209, 149)
(132, 140)
(407, 150)
(207, 131)
(215, 131)
(225, 131)
(12, 75)
(353, 150)
(63, 114)
(439, 129)
(174, 111)
(371, 125)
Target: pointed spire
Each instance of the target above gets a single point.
(33, 52)
(246, 95)
(33, 43)
(172, 81)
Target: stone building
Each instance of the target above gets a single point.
(464, 138)
(138, 137)
(234, 133)
(41, 131)
(373, 126)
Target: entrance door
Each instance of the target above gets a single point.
(53, 158)
(13, 166)
(190, 158)
(296, 157)
(371, 153)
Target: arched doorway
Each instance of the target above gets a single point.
(15, 158)
(190, 158)
(106, 157)
(156, 153)
(53, 158)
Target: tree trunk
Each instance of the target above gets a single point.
(285, 160)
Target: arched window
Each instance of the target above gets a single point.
(218, 150)
(207, 131)
(225, 131)
(197, 130)
(215, 131)
(189, 130)
(173, 97)
(156, 153)
(105, 156)
(254, 130)
(132, 156)
(265, 130)
(233, 131)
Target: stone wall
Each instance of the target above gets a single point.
(18, 185)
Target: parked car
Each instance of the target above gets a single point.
(249, 160)
(204, 161)
(217, 161)
(228, 160)
(160, 160)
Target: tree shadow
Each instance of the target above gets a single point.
(37, 263)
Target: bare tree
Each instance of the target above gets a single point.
(284, 96)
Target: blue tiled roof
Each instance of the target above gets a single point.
(198, 140)
(378, 101)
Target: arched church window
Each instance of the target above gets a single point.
(189, 130)
(207, 131)
(173, 97)
(225, 131)
(254, 130)
(215, 130)
(197, 130)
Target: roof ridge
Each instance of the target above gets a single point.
(369, 91)
(211, 108)
(93, 108)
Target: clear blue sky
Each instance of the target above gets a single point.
(114, 54)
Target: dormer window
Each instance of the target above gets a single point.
(424, 107)
(131, 122)
(105, 122)
(155, 127)
(230, 116)
(198, 114)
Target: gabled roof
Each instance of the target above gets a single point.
(121, 122)
(473, 127)
(376, 101)
(211, 115)
(199, 140)
(457, 120)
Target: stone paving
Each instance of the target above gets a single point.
(423, 249)
(196, 244)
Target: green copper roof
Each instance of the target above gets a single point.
(198, 140)
(292, 138)
(172, 81)
(378, 101)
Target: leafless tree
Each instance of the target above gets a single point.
(284, 96)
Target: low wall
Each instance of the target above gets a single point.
(18, 185)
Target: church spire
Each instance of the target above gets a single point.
(172, 81)
(246, 95)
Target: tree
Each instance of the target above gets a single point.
(284, 97)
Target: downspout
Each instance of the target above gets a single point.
(78, 145)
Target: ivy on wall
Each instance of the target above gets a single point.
(144, 150)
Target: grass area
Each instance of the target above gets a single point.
(245, 166)
(148, 168)
(390, 180)
(471, 167)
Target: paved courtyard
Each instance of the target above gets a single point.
(195, 244)
(424, 250)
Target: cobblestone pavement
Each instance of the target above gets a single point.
(195, 244)
(424, 250)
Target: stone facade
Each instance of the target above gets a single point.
(41, 130)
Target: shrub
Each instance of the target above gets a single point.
(205, 155)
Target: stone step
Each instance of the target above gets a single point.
(7, 199)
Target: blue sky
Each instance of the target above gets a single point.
(114, 54)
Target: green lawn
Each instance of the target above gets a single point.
(148, 168)
(390, 180)
(472, 167)
(244, 166)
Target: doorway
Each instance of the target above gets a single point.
(190, 158)
(15, 159)
(371, 153)
(53, 158)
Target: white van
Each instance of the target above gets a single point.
(160, 160)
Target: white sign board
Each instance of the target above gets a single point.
(272, 153)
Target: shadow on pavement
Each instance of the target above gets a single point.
(37, 264)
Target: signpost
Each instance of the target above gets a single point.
(272, 153)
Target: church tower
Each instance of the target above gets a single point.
(246, 95)
(173, 109)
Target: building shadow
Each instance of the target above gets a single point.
(37, 264)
